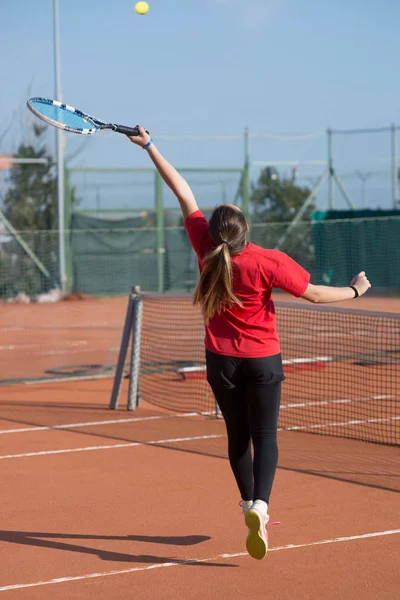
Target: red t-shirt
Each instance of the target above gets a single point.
(248, 331)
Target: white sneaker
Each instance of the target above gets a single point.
(246, 505)
(256, 519)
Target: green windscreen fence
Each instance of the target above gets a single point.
(108, 255)
(19, 272)
(348, 242)
(110, 252)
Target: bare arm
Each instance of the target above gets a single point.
(325, 294)
(170, 175)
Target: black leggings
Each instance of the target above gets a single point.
(248, 392)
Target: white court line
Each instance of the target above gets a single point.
(193, 561)
(207, 413)
(62, 379)
(21, 347)
(96, 423)
(289, 361)
(110, 446)
(339, 424)
(340, 401)
(67, 351)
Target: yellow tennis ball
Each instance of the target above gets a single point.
(141, 8)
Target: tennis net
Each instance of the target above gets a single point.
(342, 366)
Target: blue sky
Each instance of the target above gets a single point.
(212, 67)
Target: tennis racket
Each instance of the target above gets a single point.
(71, 119)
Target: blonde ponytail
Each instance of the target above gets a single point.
(214, 292)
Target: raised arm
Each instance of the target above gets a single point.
(326, 294)
(172, 178)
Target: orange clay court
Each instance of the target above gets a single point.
(109, 504)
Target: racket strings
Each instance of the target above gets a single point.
(63, 116)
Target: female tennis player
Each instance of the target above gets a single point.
(244, 365)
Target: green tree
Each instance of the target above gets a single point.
(276, 201)
(31, 199)
(30, 205)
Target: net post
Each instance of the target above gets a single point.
(122, 353)
(133, 391)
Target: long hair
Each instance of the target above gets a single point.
(214, 292)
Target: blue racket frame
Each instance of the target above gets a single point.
(97, 124)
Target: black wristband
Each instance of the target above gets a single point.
(356, 294)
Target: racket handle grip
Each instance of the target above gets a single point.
(127, 130)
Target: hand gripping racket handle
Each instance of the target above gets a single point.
(127, 130)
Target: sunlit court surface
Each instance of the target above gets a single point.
(103, 503)
(115, 480)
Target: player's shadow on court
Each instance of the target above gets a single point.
(50, 540)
